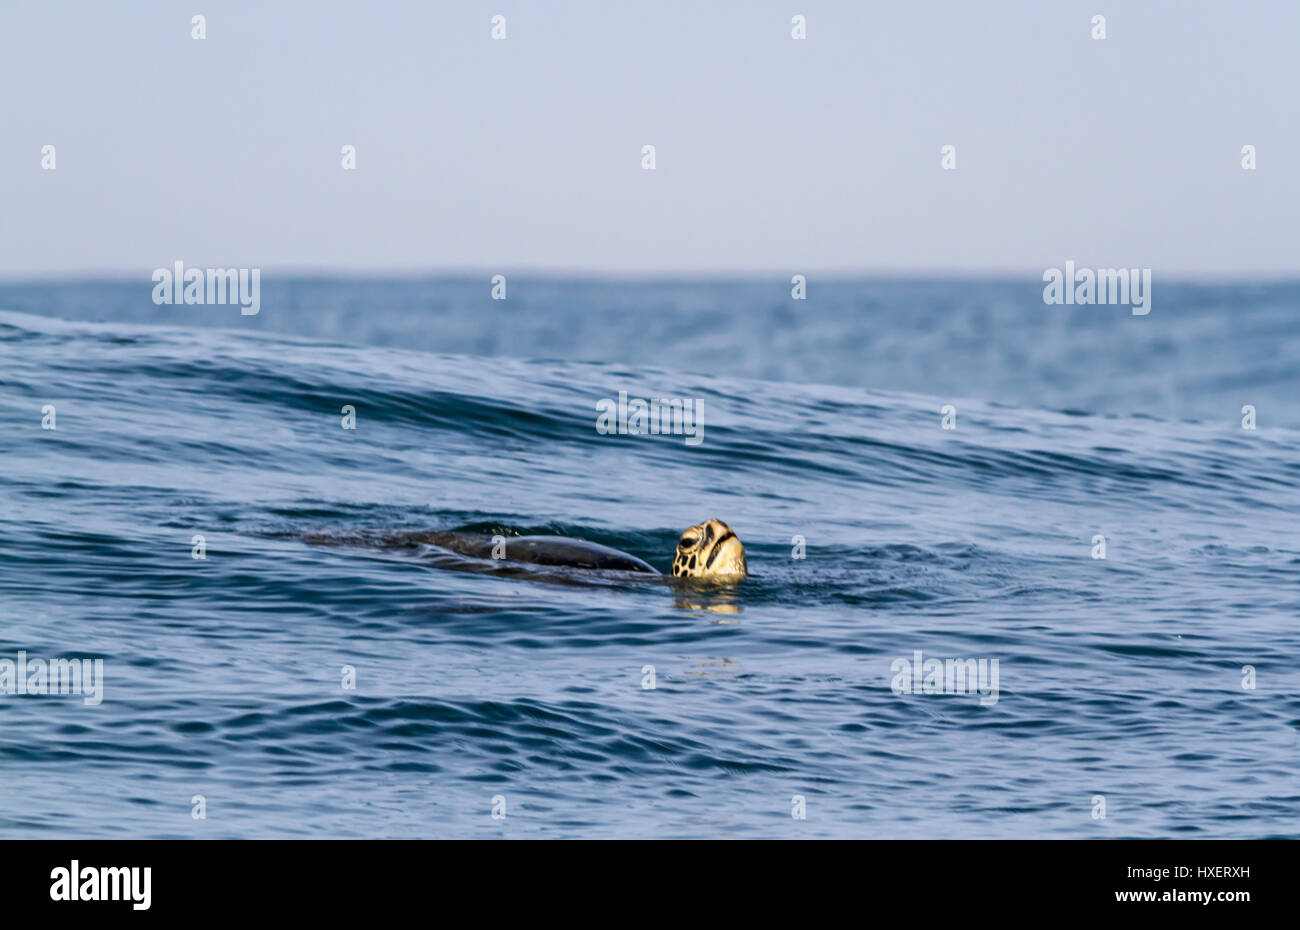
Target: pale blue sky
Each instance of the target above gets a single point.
(774, 156)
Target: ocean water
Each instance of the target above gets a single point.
(1121, 678)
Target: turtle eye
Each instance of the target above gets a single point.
(688, 542)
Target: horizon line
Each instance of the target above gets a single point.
(664, 275)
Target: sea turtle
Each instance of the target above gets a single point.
(709, 550)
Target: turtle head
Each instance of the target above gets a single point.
(709, 550)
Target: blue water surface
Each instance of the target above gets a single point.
(1122, 682)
